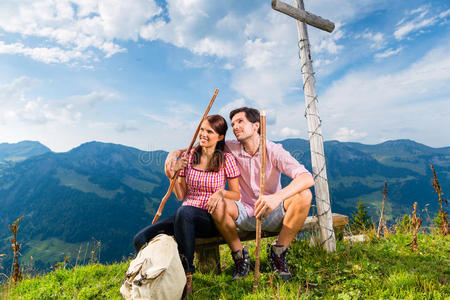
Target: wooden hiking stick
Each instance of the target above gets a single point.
(175, 176)
(381, 223)
(262, 179)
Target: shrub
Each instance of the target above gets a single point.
(360, 220)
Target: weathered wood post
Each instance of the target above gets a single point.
(327, 236)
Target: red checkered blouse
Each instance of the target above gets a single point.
(202, 184)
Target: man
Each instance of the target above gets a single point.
(283, 210)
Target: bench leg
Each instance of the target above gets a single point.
(208, 258)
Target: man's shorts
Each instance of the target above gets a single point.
(272, 223)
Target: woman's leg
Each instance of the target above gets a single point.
(192, 222)
(149, 232)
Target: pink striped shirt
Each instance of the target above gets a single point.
(278, 161)
(202, 184)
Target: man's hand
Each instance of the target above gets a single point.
(266, 204)
(214, 200)
(171, 160)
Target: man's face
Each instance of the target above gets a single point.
(242, 127)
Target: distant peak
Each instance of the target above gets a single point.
(403, 142)
(21, 150)
(97, 145)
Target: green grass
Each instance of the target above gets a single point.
(379, 269)
(93, 281)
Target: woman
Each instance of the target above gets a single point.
(201, 184)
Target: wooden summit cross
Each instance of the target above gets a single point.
(327, 237)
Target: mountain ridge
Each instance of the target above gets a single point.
(107, 192)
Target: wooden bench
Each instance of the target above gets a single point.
(207, 249)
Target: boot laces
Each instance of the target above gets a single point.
(240, 266)
(280, 263)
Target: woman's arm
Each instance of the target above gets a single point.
(180, 188)
(233, 193)
(180, 184)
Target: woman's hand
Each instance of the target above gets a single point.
(179, 164)
(170, 162)
(214, 200)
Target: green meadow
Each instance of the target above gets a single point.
(380, 268)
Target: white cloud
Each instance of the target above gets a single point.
(228, 66)
(444, 14)
(93, 98)
(213, 46)
(46, 55)
(170, 122)
(388, 52)
(328, 43)
(203, 27)
(196, 64)
(225, 110)
(74, 27)
(345, 134)
(377, 39)
(417, 19)
(18, 105)
(259, 54)
(127, 126)
(15, 91)
(383, 105)
(289, 132)
(39, 112)
(102, 125)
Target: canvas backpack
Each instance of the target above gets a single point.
(156, 272)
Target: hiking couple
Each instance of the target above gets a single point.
(208, 208)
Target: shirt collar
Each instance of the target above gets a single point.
(245, 154)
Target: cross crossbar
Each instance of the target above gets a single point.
(303, 16)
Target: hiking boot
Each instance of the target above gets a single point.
(277, 257)
(241, 263)
(188, 287)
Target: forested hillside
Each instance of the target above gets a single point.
(98, 195)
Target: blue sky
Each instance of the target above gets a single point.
(141, 72)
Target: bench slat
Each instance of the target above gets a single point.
(310, 224)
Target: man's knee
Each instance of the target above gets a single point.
(224, 209)
(300, 201)
(305, 197)
(219, 211)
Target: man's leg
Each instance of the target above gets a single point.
(224, 216)
(297, 209)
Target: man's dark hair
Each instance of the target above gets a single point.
(250, 113)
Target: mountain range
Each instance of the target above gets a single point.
(95, 197)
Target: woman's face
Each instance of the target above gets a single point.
(207, 137)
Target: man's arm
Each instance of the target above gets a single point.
(269, 202)
(289, 166)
